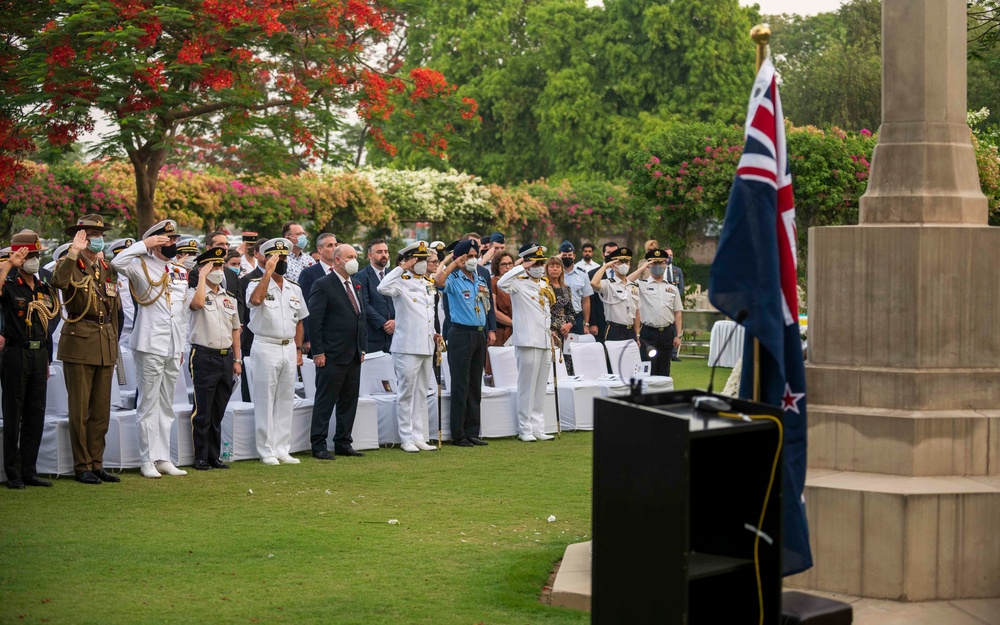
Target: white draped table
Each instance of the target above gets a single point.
(721, 332)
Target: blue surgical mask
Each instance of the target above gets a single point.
(96, 244)
(301, 241)
(235, 270)
(658, 269)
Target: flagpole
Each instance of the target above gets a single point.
(761, 35)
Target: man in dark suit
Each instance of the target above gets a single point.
(246, 336)
(675, 276)
(339, 341)
(379, 309)
(326, 244)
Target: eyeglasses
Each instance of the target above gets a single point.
(507, 264)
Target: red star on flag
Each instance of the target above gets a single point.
(790, 400)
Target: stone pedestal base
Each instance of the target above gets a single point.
(903, 495)
(903, 538)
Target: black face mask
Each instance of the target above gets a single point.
(169, 251)
(670, 260)
(567, 262)
(281, 267)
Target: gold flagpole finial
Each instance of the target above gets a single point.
(761, 35)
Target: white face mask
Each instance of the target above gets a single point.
(31, 266)
(536, 272)
(217, 276)
(622, 269)
(351, 266)
(471, 264)
(189, 262)
(420, 268)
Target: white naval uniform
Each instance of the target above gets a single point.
(532, 338)
(273, 324)
(157, 342)
(128, 307)
(412, 348)
(620, 301)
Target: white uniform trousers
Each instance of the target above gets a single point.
(413, 380)
(532, 377)
(273, 396)
(156, 379)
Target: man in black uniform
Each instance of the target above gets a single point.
(30, 312)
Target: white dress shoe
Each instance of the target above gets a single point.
(422, 446)
(269, 460)
(149, 470)
(542, 436)
(165, 467)
(527, 438)
(409, 447)
(288, 460)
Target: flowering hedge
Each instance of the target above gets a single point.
(582, 210)
(681, 181)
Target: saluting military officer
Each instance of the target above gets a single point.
(414, 341)
(618, 296)
(30, 309)
(659, 310)
(214, 335)
(187, 251)
(158, 286)
(276, 313)
(88, 345)
(127, 318)
(531, 300)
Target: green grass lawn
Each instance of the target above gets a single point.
(310, 542)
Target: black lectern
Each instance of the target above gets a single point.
(678, 494)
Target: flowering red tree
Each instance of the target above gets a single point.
(264, 75)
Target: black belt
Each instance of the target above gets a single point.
(618, 325)
(43, 344)
(658, 328)
(99, 319)
(461, 326)
(214, 352)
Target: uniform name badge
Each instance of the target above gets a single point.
(111, 289)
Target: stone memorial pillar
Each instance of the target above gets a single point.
(903, 494)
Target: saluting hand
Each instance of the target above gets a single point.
(408, 264)
(80, 241)
(156, 241)
(272, 262)
(17, 258)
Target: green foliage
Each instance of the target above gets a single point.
(568, 90)
(681, 181)
(831, 64)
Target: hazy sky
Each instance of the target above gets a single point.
(802, 7)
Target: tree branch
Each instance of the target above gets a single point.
(219, 106)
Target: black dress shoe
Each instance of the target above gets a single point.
(675, 359)
(202, 465)
(218, 464)
(88, 477)
(348, 451)
(477, 442)
(15, 485)
(462, 442)
(104, 476)
(323, 455)
(34, 480)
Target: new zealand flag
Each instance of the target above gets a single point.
(754, 270)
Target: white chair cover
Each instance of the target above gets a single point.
(589, 360)
(366, 426)
(55, 456)
(377, 368)
(57, 398)
(309, 378)
(504, 363)
(121, 449)
(301, 425)
(128, 359)
(239, 430)
(624, 356)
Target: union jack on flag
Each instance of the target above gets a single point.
(755, 271)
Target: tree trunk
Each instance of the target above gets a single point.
(146, 163)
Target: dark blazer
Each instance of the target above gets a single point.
(334, 329)
(246, 336)
(678, 280)
(306, 278)
(378, 308)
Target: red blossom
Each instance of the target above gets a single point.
(61, 55)
(426, 83)
(153, 31)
